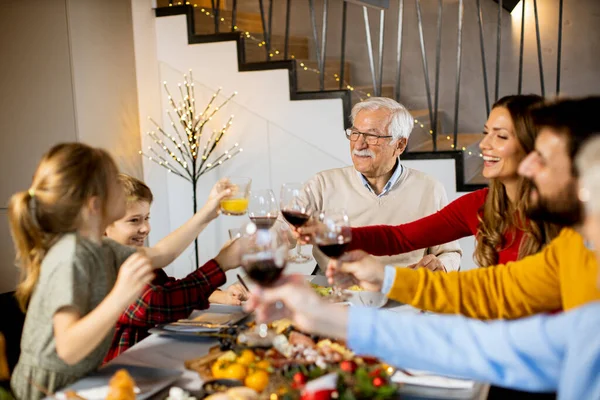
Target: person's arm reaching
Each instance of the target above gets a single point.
(170, 247)
(514, 290)
(457, 220)
(177, 298)
(527, 354)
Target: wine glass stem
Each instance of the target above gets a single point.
(299, 249)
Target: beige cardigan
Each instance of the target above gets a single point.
(413, 196)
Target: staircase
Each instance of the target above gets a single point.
(304, 78)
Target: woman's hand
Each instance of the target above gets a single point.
(356, 268)
(431, 262)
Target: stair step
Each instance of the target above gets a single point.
(309, 80)
(297, 46)
(387, 90)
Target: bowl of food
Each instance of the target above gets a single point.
(354, 295)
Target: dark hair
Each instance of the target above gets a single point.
(575, 118)
(497, 215)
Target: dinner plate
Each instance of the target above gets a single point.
(219, 315)
(148, 380)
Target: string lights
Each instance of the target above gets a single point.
(260, 43)
(184, 152)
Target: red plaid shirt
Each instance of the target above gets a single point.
(165, 300)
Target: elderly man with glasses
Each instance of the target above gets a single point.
(378, 189)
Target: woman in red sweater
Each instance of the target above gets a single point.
(496, 216)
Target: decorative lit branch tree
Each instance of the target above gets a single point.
(182, 154)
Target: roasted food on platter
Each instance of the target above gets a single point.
(290, 361)
(121, 386)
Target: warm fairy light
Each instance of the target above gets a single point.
(261, 43)
(182, 149)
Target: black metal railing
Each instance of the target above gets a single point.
(375, 61)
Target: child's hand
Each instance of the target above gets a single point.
(134, 275)
(234, 295)
(230, 255)
(237, 291)
(220, 190)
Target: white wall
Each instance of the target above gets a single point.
(67, 74)
(282, 140)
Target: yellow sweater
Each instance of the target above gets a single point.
(562, 276)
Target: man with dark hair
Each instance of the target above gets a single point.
(562, 276)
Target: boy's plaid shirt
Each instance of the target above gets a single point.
(165, 300)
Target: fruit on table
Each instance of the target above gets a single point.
(263, 364)
(218, 368)
(318, 395)
(246, 358)
(235, 371)
(299, 378)
(378, 381)
(257, 380)
(348, 366)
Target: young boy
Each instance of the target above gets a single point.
(166, 299)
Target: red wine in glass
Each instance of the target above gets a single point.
(333, 249)
(264, 271)
(295, 218)
(264, 222)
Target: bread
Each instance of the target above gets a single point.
(121, 386)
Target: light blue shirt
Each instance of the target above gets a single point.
(540, 354)
(390, 183)
(388, 279)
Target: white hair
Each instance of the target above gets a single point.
(400, 123)
(588, 167)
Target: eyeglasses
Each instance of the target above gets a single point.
(353, 135)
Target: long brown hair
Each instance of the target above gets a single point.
(66, 177)
(498, 215)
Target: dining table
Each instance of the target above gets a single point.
(170, 352)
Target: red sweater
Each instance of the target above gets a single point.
(457, 220)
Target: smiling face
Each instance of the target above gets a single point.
(134, 227)
(500, 147)
(374, 160)
(550, 168)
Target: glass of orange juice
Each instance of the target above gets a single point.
(237, 202)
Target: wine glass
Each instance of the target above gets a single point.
(294, 204)
(237, 202)
(264, 257)
(262, 208)
(264, 260)
(332, 237)
(333, 234)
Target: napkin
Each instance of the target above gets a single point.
(422, 378)
(97, 393)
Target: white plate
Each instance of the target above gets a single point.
(148, 380)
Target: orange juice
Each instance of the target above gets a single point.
(234, 206)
